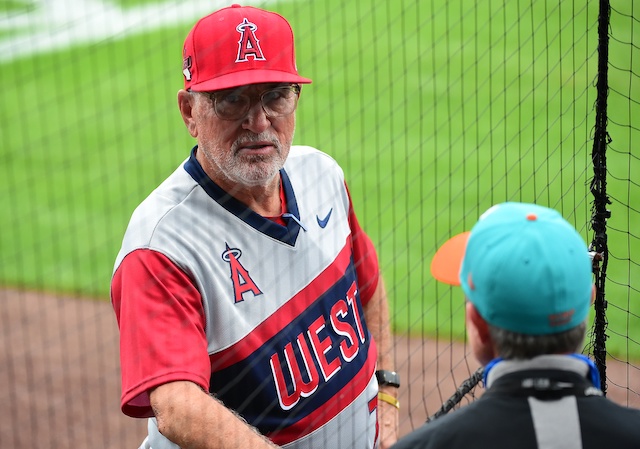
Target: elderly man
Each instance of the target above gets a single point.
(249, 301)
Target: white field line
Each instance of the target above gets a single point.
(56, 24)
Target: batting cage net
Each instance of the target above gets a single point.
(435, 110)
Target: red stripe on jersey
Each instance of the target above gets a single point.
(282, 317)
(364, 256)
(373, 403)
(373, 407)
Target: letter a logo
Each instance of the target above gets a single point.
(248, 45)
(242, 282)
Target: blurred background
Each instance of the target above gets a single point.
(435, 109)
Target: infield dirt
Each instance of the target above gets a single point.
(60, 371)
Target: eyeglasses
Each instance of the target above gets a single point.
(234, 104)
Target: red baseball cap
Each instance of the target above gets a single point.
(239, 45)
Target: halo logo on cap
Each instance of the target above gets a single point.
(249, 44)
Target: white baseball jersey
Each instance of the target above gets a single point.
(265, 316)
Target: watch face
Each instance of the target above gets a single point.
(388, 378)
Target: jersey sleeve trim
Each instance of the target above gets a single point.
(364, 256)
(162, 328)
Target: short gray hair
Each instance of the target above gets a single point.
(513, 345)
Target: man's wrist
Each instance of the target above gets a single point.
(389, 399)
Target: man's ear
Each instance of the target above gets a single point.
(479, 336)
(186, 104)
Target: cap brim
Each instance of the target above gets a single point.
(237, 79)
(447, 261)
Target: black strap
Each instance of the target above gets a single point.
(544, 385)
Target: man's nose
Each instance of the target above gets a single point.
(256, 119)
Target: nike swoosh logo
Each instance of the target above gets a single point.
(322, 222)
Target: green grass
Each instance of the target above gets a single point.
(15, 6)
(133, 3)
(435, 112)
(84, 139)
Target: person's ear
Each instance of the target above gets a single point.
(186, 104)
(479, 336)
(593, 293)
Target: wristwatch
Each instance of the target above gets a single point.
(390, 378)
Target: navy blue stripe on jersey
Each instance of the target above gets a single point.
(310, 360)
(286, 234)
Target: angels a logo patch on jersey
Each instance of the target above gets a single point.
(249, 44)
(240, 278)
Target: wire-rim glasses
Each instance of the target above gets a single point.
(234, 104)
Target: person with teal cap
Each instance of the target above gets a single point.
(527, 276)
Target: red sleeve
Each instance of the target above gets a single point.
(364, 257)
(162, 328)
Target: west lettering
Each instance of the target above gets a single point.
(321, 347)
(349, 345)
(343, 330)
(301, 388)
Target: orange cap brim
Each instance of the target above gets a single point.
(445, 265)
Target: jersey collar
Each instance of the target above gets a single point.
(286, 234)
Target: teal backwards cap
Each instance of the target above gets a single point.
(524, 268)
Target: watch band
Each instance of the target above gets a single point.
(390, 378)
